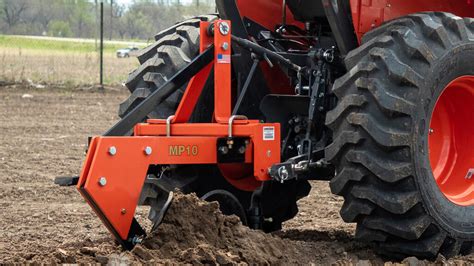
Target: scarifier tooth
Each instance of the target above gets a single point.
(160, 215)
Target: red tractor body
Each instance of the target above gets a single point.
(366, 14)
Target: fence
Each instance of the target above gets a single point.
(51, 58)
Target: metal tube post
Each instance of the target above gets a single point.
(101, 45)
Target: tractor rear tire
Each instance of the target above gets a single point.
(381, 127)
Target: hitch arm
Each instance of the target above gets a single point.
(262, 51)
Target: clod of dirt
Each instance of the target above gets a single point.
(194, 231)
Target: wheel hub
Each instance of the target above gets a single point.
(451, 141)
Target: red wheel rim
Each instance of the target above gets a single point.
(451, 141)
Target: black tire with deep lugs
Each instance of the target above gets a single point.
(380, 129)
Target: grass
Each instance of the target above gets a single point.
(9, 41)
(57, 62)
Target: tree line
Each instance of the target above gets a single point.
(80, 18)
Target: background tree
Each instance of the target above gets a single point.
(12, 11)
(142, 19)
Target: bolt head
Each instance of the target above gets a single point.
(269, 219)
(137, 240)
(299, 148)
(148, 150)
(242, 149)
(269, 153)
(225, 46)
(224, 28)
(224, 150)
(102, 181)
(283, 173)
(123, 211)
(112, 150)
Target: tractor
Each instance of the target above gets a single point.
(246, 106)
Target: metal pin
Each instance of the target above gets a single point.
(225, 46)
(112, 150)
(224, 28)
(148, 150)
(102, 181)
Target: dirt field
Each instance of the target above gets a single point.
(44, 134)
(64, 68)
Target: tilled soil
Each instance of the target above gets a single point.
(201, 234)
(44, 134)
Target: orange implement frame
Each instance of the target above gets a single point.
(116, 167)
